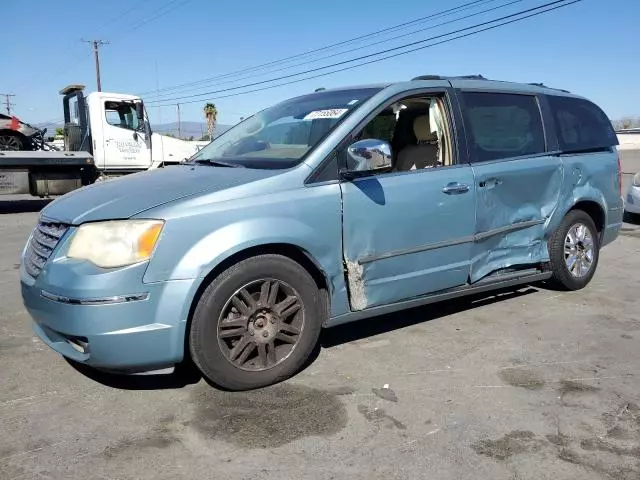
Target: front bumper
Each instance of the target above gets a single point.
(108, 319)
(632, 200)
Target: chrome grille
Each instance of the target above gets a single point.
(44, 239)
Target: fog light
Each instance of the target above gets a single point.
(79, 344)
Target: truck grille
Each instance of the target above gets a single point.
(44, 239)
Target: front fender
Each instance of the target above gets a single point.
(221, 244)
(198, 237)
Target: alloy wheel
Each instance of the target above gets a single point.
(260, 324)
(579, 250)
(9, 143)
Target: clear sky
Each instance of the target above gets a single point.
(590, 48)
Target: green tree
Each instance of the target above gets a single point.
(211, 114)
(60, 131)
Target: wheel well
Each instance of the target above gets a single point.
(6, 131)
(287, 250)
(594, 210)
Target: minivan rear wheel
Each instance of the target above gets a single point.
(257, 323)
(574, 250)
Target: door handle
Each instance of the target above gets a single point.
(455, 187)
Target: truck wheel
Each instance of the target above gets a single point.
(11, 142)
(574, 249)
(257, 323)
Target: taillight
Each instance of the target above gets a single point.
(619, 175)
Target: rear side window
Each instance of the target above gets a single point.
(503, 125)
(581, 125)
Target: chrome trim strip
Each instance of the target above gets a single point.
(508, 228)
(422, 248)
(450, 243)
(134, 297)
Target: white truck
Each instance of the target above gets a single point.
(105, 135)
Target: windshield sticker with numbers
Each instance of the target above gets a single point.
(333, 113)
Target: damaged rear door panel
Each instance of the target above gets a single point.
(405, 236)
(517, 182)
(514, 201)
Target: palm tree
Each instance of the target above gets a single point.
(211, 113)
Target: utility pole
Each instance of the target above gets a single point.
(8, 103)
(96, 44)
(179, 132)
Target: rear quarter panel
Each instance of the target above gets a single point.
(591, 177)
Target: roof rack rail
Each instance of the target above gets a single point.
(540, 84)
(440, 77)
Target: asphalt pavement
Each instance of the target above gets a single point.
(525, 384)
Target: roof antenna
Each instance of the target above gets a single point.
(319, 89)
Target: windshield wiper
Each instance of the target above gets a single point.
(217, 163)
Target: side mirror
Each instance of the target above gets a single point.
(367, 157)
(140, 112)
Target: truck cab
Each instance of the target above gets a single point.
(115, 129)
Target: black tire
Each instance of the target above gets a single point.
(562, 277)
(632, 218)
(210, 352)
(12, 142)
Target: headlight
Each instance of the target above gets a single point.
(116, 243)
(636, 180)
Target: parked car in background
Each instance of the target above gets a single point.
(632, 200)
(324, 209)
(16, 135)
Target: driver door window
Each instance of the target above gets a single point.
(418, 130)
(122, 115)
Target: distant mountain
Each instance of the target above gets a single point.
(187, 129)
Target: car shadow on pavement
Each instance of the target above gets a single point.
(370, 327)
(182, 376)
(23, 206)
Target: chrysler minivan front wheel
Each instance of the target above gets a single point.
(257, 323)
(574, 250)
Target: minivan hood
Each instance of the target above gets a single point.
(135, 193)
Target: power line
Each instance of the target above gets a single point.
(140, 24)
(389, 56)
(442, 13)
(66, 67)
(122, 14)
(145, 21)
(387, 50)
(164, 97)
(8, 103)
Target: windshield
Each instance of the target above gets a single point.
(280, 136)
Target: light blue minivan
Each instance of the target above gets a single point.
(323, 209)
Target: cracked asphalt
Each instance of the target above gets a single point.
(524, 384)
